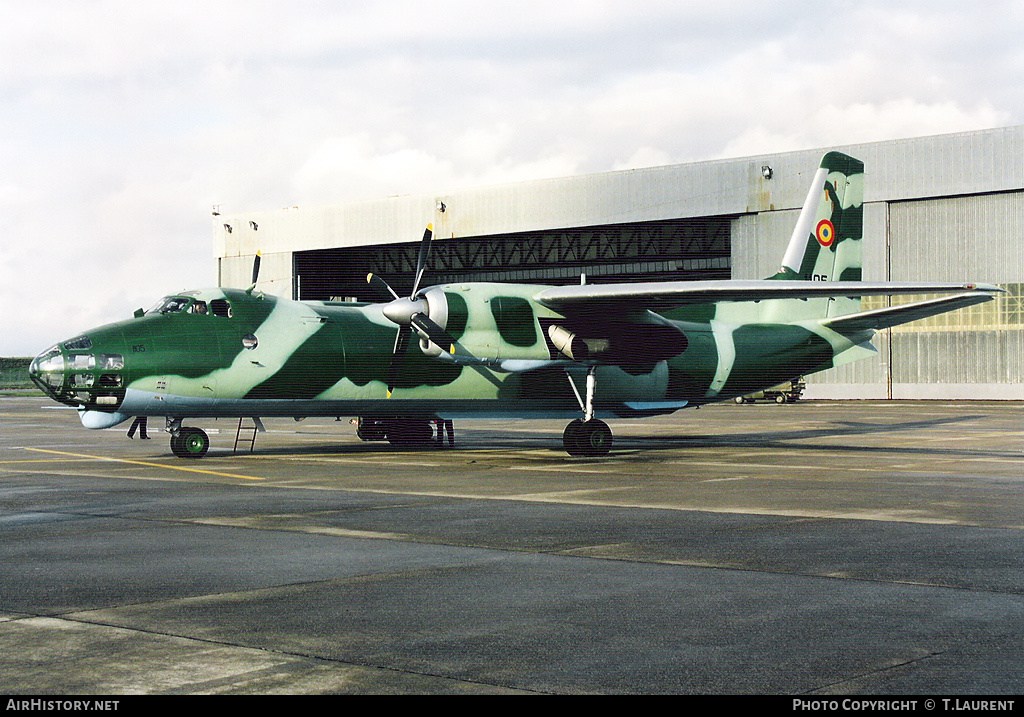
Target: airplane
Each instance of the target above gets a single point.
(582, 352)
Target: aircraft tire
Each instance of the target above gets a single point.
(190, 443)
(595, 438)
(590, 438)
(571, 438)
(409, 432)
(371, 429)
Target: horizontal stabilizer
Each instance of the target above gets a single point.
(896, 315)
(668, 294)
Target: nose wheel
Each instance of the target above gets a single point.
(186, 441)
(588, 436)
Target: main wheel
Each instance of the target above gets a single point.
(571, 438)
(190, 443)
(595, 438)
(587, 438)
(409, 432)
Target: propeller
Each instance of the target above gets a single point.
(411, 313)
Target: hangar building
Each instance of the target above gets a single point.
(943, 208)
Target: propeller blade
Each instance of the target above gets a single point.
(375, 280)
(256, 268)
(404, 312)
(398, 356)
(435, 333)
(421, 260)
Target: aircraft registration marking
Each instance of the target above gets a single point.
(143, 463)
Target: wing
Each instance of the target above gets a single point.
(669, 294)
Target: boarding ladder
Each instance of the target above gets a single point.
(246, 434)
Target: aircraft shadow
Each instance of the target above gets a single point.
(632, 445)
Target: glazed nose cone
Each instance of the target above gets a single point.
(47, 371)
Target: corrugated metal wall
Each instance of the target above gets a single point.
(973, 353)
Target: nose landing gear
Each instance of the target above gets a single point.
(187, 441)
(588, 436)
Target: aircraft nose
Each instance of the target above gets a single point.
(47, 371)
(73, 373)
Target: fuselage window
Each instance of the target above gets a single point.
(111, 362)
(82, 362)
(221, 307)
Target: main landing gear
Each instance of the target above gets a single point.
(589, 436)
(186, 441)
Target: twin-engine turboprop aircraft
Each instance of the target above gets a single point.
(492, 350)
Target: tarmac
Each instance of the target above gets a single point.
(815, 548)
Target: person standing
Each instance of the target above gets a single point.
(139, 424)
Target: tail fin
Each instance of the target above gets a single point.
(826, 242)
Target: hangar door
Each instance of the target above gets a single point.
(672, 250)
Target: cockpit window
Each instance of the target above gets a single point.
(170, 305)
(198, 307)
(81, 343)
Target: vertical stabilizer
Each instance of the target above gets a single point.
(826, 242)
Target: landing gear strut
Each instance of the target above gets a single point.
(186, 441)
(589, 436)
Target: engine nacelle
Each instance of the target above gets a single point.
(568, 343)
(437, 310)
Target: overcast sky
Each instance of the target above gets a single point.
(122, 122)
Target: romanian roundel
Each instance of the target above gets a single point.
(825, 232)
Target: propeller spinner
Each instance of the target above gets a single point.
(412, 313)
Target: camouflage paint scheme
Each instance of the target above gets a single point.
(656, 347)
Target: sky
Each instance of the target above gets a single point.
(123, 123)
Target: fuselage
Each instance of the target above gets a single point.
(231, 353)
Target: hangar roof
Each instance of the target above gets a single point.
(944, 165)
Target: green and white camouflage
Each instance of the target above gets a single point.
(493, 350)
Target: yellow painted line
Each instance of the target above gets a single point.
(143, 463)
(37, 460)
